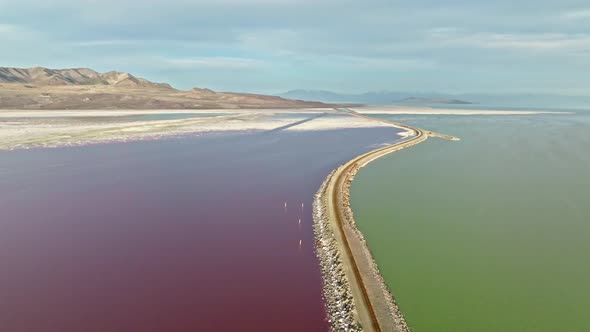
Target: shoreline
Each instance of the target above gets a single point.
(422, 110)
(344, 254)
(11, 113)
(390, 110)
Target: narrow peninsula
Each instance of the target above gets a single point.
(357, 297)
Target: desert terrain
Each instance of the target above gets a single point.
(85, 89)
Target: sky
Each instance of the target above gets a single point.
(271, 46)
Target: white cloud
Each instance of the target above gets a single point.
(367, 63)
(6, 28)
(213, 62)
(276, 41)
(18, 34)
(303, 41)
(542, 42)
(575, 15)
(107, 43)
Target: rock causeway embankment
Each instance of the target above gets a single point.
(356, 295)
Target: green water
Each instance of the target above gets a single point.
(491, 233)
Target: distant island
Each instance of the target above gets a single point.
(85, 89)
(415, 100)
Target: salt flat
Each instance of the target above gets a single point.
(443, 111)
(26, 129)
(123, 112)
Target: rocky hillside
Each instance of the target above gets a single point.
(82, 88)
(74, 76)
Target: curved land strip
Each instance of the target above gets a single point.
(373, 308)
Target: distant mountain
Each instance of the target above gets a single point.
(83, 88)
(319, 95)
(528, 100)
(74, 76)
(414, 100)
(377, 97)
(516, 100)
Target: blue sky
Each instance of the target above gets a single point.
(271, 46)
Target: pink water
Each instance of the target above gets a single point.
(174, 235)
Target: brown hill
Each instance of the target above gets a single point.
(74, 76)
(83, 88)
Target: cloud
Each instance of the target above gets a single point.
(18, 35)
(14, 30)
(313, 42)
(575, 15)
(7, 28)
(223, 63)
(538, 43)
(378, 64)
(107, 43)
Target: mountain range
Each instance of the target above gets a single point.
(74, 76)
(83, 88)
(415, 100)
(508, 100)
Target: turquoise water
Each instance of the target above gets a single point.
(491, 233)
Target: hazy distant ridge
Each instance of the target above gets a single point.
(415, 100)
(493, 99)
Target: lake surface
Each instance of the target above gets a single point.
(188, 234)
(491, 233)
